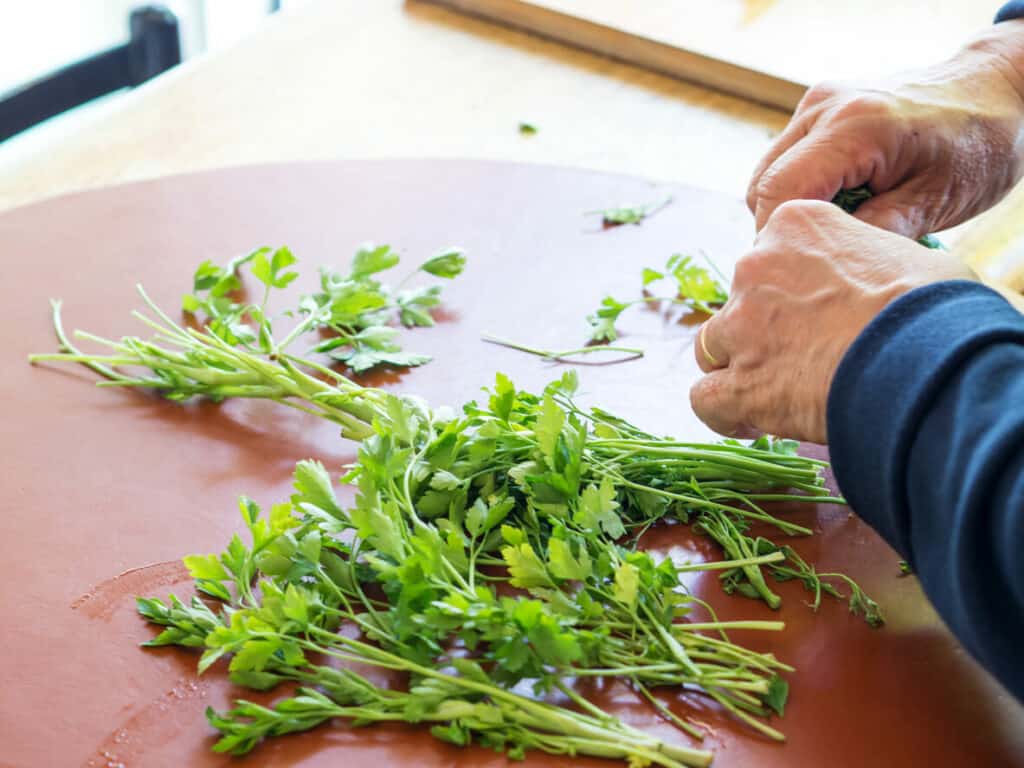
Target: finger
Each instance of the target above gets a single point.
(814, 169)
(796, 130)
(746, 432)
(709, 348)
(715, 402)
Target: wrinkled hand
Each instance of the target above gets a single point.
(936, 146)
(814, 279)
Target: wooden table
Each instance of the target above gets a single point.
(387, 78)
(107, 489)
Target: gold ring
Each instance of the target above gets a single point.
(704, 347)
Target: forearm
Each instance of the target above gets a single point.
(1002, 47)
(926, 427)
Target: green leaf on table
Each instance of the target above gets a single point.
(448, 263)
(313, 486)
(596, 510)
(778, 692)
(371, 259)
(651, 275)
(694, 283)
(513, 536)
(527, 129)
(271, 272)
(525, 568)
(414, 305)
(254, 655)
(554, 645)
(205, 567)
(626, 585)
(548, 428)
(378, 525)
(371, 347)
(563, 564)
(629, 214)
(503, 398)
(602, 322)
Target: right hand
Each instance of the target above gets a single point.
(812, 282)
(936, 146)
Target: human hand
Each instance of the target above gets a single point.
(814, 279)
(936, 146)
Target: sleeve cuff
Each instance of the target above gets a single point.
(888, 379)
(1010, 11)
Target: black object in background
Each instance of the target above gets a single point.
(154, 47)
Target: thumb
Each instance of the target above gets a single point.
(715, 401)
(812, 169)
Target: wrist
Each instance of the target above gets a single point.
(1000, 48)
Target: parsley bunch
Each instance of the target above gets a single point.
(484, 551)
(356, 308)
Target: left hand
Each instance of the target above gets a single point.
(814, 279)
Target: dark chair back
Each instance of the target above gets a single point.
(154, 47)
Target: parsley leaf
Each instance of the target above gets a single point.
(371, 259)
(414, 306)
(448, 263)
(271, 272)
(629, 214)
(371, 347)
(694, 284)
(602, 322)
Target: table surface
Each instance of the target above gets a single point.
(107, 489)
(403, 78)
(757, 34)
(349, 78)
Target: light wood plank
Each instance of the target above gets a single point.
(344, 78)
(605, 34)
(799, 41)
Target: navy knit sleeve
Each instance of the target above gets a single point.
(926, 432)
(1012, 10)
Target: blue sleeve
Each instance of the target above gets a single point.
(1012, 10)
(926, 433)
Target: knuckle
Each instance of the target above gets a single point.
(793, 211)
(819, 92)
(768, 184)
(745, 275)
(700, 395)
(865, 104)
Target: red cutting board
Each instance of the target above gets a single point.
(104, 490)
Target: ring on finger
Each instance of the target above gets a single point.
(704, 347)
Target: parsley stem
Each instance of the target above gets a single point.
(667, 713)
(633, 352)
(717, 565)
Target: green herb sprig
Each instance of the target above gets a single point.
(629, 214)
(695, 289)
(356, 307)
(523, 492)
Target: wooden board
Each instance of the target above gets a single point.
(766, 50)
(299, 88)
(105, 490)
